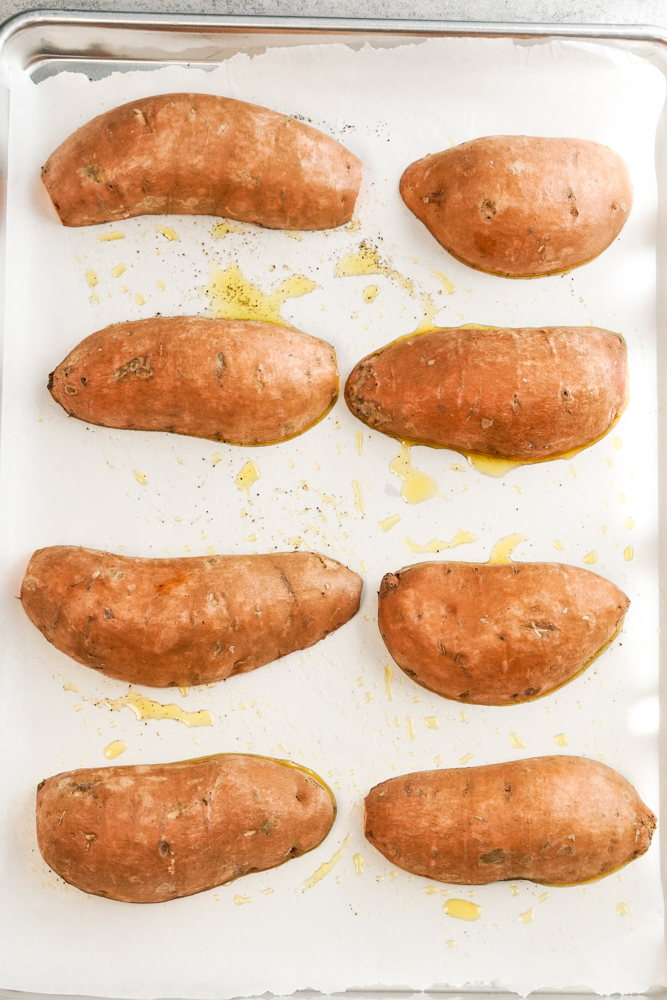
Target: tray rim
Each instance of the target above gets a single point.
(241, 24)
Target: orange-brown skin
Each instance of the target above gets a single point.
(496, 634)
(528, 394)
(559, 820)
(199, 154)
(229, 380)
(149, 833)
(176, 622)
(521, 206)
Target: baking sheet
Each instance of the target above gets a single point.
(329, 707)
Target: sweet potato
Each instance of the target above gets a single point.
(557, 820)
(149, 833)
(526, 394)
(176, 622)
(521, 206)
(199, 154)
(496, 634)
(229, 380)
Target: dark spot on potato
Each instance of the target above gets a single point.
(488, 209)
(435, 197)
(136, 368)
(268, 825)
(495, 857)
(530, 692)
(410, 673)
(163, 848)
(108, 614)
(389, 582)
(565, 850)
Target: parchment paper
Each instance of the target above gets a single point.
(363, 924)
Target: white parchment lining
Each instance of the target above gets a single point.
(329, 708)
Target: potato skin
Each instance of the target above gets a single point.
(149, 833)
(521, 206)
(528, 394)
(559, 820)
(237, 381)
(176, 622)
(200, 154)
(496, 634)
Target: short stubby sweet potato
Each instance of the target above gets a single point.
(147, 833)
(524, 394)
(557, 820)
(200, 154)
(237, 381)
(496, 634)
(521, 206)
(193, 620)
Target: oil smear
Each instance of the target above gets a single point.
(146, 708)
(503, 549)
(115, 749)
(326, 867)
(388, 678)
(461, 537)
(232, 296)
(448, 285)
(358, 496)
(248, 475)
(491, 465)
(462, 909)
(367, 261)
(223, 228)
(168, 233)
(358, 862)
(389, 522)
(430, 309)
(417, 486)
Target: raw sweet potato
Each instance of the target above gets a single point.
(496, 634)
(149, 833)
(229, 380)
(200, 154)
(176, 622)
(557, 820)
(521, 206)
(527, 394)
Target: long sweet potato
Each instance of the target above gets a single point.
(200, 154)
(229, 380)
(149, 833)
(176, 622)
(526, 394)
(558, 820)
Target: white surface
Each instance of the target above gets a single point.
(64, 482)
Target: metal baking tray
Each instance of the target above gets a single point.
(43, 43)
